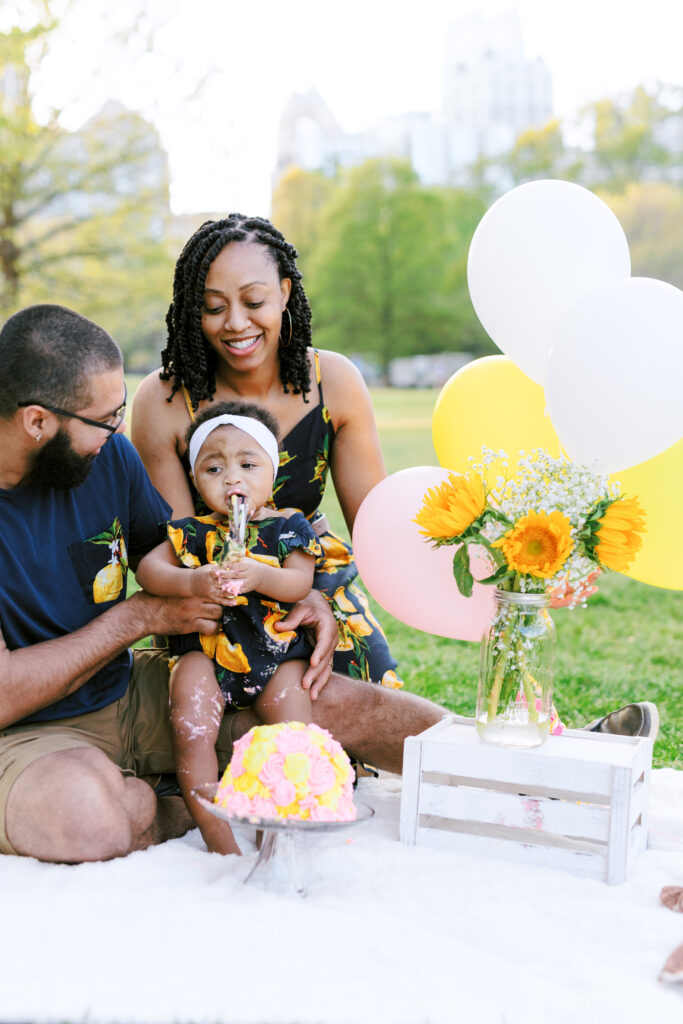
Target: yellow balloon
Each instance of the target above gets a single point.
(658, 484)
(490, 402)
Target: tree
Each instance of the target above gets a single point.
(651, 215)
(632, 137)
(298, 199)
(81, 213)
(388, 275)
(541, 153)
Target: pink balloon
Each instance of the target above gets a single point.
(410, 579)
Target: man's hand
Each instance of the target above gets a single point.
(313, 614)
(178, 614)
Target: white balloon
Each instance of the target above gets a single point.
(614, 378)
(535, 252)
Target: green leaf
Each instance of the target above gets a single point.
(502, 573)
(461, 571)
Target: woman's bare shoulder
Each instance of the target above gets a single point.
(154, 418)
(343, 386)
(153, 389)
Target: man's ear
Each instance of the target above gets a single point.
(33, 420)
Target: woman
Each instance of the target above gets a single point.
(239, 327)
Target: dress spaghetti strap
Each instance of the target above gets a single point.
(188, 402)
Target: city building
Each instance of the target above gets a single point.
(492, 92)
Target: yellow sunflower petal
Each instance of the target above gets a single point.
(451, 507)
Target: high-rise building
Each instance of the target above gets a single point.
(491, 94)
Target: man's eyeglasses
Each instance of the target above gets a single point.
(111, 424)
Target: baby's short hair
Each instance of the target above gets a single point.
(235, 408)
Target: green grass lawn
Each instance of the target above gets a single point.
(625, 646)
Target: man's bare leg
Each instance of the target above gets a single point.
(75, 805)
(370, 721)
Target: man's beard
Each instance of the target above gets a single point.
(58, 465)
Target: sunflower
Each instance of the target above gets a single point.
(538, 544)
(451, 507)
(619, 533)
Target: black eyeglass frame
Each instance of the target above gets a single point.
(120, 413)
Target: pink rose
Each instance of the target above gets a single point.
(237, 760)
(284, 792)
(323, 814)
(321, 776)
(263, 808)
(272, 771)
(307, 803)
(293, 741)
(238, 803)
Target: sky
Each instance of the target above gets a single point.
(220, 71)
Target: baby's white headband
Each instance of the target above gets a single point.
(259, 431)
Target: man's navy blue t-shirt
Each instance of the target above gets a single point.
(64, 560)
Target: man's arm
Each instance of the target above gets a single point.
(33, 677)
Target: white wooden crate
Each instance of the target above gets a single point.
(578, 802)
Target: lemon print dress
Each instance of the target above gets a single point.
(362, 650)
(247, 649)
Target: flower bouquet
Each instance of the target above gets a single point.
(548, 531)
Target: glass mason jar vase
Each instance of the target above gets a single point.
(516, 671)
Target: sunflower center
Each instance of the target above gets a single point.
(538, 545)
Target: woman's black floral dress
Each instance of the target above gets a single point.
(362, 651)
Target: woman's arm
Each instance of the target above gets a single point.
(157, 427)
(159, 573)
(291, 581)
(356, 463)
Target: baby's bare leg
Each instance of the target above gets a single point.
(197, 706)
(284, 699)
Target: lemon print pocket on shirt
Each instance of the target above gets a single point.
(101, 565)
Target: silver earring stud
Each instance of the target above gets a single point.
(38, 437)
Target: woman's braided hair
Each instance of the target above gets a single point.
(188, 359)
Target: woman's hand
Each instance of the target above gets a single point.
(313, 614)
(563, 596)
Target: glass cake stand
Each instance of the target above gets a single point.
(276, 866)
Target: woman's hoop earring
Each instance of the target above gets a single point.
(286, 344)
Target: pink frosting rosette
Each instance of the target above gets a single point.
(321, 776)
(273, 770)
(294, 741)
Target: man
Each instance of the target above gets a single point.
(82, 719)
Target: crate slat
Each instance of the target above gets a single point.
(562, 817)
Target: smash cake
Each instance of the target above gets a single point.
(288, 770)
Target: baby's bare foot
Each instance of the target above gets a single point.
(672, 897)
(673, 968)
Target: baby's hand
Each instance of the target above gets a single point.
(208, 582)
(231, 589)
(244, 574)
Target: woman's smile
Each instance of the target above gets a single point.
(243, 345)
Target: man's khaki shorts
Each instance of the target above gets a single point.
(134, 732)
